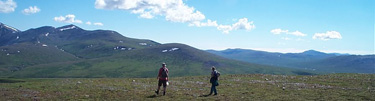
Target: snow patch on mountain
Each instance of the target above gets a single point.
(89, 46)
(11, 28)
(173, 49)
(122, 48)
(143, 44)
(46, 34)
(67, 28)
(170, 50)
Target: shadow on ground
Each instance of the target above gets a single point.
(152, 96)
(10, 81)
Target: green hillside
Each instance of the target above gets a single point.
(345, 64)
(23, 55)
(70, 51)
(183, 61)
(309, 60)
(340, 87)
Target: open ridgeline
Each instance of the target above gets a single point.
(232, 87)
(185, 61)
(69, 51)
(309, 60)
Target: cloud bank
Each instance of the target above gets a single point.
(70, 18)
(328, 35)
(172, 10)
(7, 6)
(95, 23)
(322, 36)
(31, 10)
(280, 31)
(98, 24)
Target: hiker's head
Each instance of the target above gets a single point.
(213, 68)
(164, 65)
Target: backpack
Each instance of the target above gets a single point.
(164, 73)
(217, 74)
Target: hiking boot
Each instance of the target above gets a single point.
(163, 93)
(157, 92)
(215, 94)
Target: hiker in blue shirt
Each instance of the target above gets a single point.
(214, 80)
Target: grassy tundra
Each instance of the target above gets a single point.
(232, 87)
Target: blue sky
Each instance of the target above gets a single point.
(343, 26)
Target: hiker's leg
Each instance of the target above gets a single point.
(164, 87)
(212, 88)
(159, 84)
(164, 90)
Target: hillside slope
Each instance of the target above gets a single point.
(182, 60)
(345, 64)
(310, 60)
(70, 51)
(19, 56)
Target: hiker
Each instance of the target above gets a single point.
(214, 80)
(163, 78)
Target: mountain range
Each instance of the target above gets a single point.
(70, 51)
(309, 60)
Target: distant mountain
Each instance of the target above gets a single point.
(5, 29)
(310, 60)
(268, 58)
(70, 51)
(82, 43)
(345, 64)
(7, 33)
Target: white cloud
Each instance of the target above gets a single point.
(95, 23)
(7, 6)
(70, 18)
(172, 10)
(225, 28)
(286, 38)
(31, 10)
(146, 15)
(88, 23)
(98, 24)
(328, 35)
(297, 33)
(204, 24)
(280, 31)
(242, 24)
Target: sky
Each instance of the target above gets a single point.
(287, 26)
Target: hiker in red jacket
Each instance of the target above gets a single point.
(163, 78)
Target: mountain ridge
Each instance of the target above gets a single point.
(310, 60)
(75, 52)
